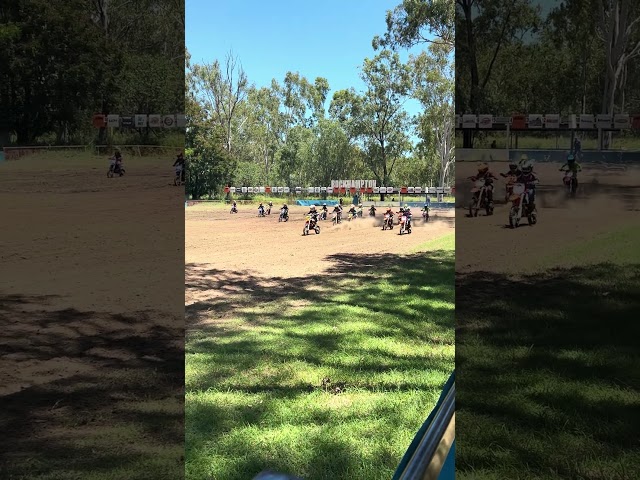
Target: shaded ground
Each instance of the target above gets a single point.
(264, 332)
(547, 367)
(92, 350)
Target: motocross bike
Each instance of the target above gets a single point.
(261, 212)
(177, 179)
(352, 216)
(269, 210)
(509, 182)
(520, 207)
(425, 215)
(284, 215)
(309, 225)
(323, 215)
(234, 209)
(115, 169)
(336, 219)
(570, 180)
(405, 225)
(372, 212)
(388, 222)
(480, 199)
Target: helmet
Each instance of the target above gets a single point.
(401, 209)
(527, 166)
(324, 204)
(482, 167)
(285, 205)
(513, 166)
(523, 158)
(571, 158)
(313, 207)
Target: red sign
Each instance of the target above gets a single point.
(362, 189)
(369, 190)
(352, 189)
(404, 190)
(227, 189)
(99, 120)
(343, 190)
(267, 189)
(518, 122)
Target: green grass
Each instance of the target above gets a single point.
(548, 367)
(254, 400)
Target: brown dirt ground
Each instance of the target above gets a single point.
(265, 248)
(90, 303)
(608, 198)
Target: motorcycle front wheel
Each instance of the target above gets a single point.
(514, 221)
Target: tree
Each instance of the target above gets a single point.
(222, 89)
(377, 118)
(419, 21)
(433, 79)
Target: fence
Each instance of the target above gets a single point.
(502, 155)
(14, 153)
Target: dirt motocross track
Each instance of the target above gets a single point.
(267, 248)
(608, 197)
(90, 308)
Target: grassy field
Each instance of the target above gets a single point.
(567, 359)
(254, 378)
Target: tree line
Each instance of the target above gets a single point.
(571, 57)
(291, 133)
(61, 61)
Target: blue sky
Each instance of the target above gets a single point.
(329, 39)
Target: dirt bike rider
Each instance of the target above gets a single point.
(360, 207)
(234, 206)
(352, 211)
(337, 210)
(523, 158)
(389, 212)
(488, 177)
(571, 166)
(313, 213)
(529, 180)
(284, 211)
(270, 206)
(514, 170)
(407, 215)
(426, 210)
(324, 211)
(180, 163)
(261, 209)
(372, 210)
(116, 161)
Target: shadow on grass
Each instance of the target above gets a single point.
(548, 374)
(88, 393)
(254, 400)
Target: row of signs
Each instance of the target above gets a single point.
(331, 190)
(139, 121)
(550, 121)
